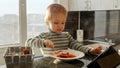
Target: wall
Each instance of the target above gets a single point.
(72, 23)
(96, 24)
(86, 23)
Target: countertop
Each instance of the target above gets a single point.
(49, 62)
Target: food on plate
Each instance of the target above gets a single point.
(63, 54)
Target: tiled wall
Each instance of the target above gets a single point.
(86, 23)
(72, 23)
(96, 24)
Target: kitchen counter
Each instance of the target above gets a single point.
(49, 62)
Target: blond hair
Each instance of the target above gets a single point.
(54, 9)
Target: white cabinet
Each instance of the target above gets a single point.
(102, 4)
(106, 4)
(90, 5)
(63, 2)
(78, 5)
(116, 4)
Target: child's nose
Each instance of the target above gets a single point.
(59, 25)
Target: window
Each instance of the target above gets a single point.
(35, 16)
(15, 26)
(9, 22)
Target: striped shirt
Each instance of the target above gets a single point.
(62, 41)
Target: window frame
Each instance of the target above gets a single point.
(22, 24)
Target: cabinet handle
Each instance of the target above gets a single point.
(88, 4)
(115, 3)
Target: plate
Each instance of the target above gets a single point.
(77, 54)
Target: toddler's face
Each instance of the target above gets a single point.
(57, 23)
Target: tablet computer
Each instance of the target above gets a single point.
(110, 58)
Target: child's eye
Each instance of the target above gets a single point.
(58, 23)
(55, 22)
(63, 23)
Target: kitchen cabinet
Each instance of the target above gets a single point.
(63, 2)
(78, 5)
(91, 5)
(102, 4)
(105, 4)
(116, 4)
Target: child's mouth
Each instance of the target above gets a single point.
(59, 30)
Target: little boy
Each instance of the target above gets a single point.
(55, 19)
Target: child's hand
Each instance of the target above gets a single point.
(49, 43)
(95, 51)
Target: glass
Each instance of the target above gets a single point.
(35, 16)
(9, 22)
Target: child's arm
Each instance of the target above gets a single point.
(49, 43)
(74, 44)
(37, 41)
(40, 41)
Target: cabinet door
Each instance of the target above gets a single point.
(116, 4)
(104, 5)
(96, 5)
(101, 4)
(91, 5)
(78, 5)
(63, 2)
(88, 5)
